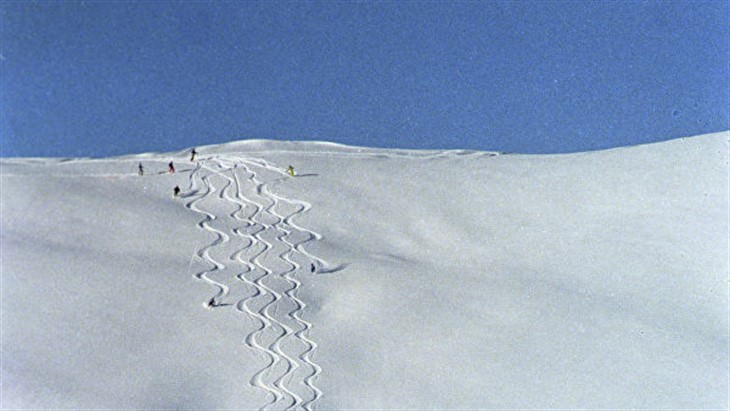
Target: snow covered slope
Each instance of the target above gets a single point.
(442, 279)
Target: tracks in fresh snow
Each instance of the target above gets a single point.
(253, 263)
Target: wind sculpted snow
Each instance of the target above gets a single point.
(378, 279)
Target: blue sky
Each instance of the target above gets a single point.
(108, 78)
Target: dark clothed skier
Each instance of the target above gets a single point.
(312, 268)
(141, 169)
(213, 303)
(192, 154)
(176, 191)
(171, 168)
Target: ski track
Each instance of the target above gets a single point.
(287, 362)
(264, 259)
(295, 315)
(221, 237)
(265, 321)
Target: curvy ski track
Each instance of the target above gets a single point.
(253, 261)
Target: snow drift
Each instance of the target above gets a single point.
(372, 279)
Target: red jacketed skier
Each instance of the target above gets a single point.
(171, 168)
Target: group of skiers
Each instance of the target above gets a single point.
(171, 166)
(171, 170)
(193, 153)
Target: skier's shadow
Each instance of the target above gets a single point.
(307, 175)
(214, 304)
(189, 194)
(329, 269)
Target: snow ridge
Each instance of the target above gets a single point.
(256, 237)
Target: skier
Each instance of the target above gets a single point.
(213, 303)
(291, 171)
(312, 268)
(141, 169)
(192, 154)
(176, 191)
(171, 168)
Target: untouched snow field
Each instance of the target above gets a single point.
(442, 279)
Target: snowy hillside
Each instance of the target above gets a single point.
(376, 279)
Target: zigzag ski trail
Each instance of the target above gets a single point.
(262, 245)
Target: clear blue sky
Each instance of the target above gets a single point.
(107, 78)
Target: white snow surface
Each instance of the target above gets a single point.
(443, 279)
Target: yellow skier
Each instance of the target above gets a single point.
(291, 171)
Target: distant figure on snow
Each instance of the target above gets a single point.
(213, 303)
(291, 171)
(171, 168)
(141, 169)
(192, 154)
(312, 268)
(176, 191)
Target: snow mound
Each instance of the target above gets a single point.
(372, 278)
